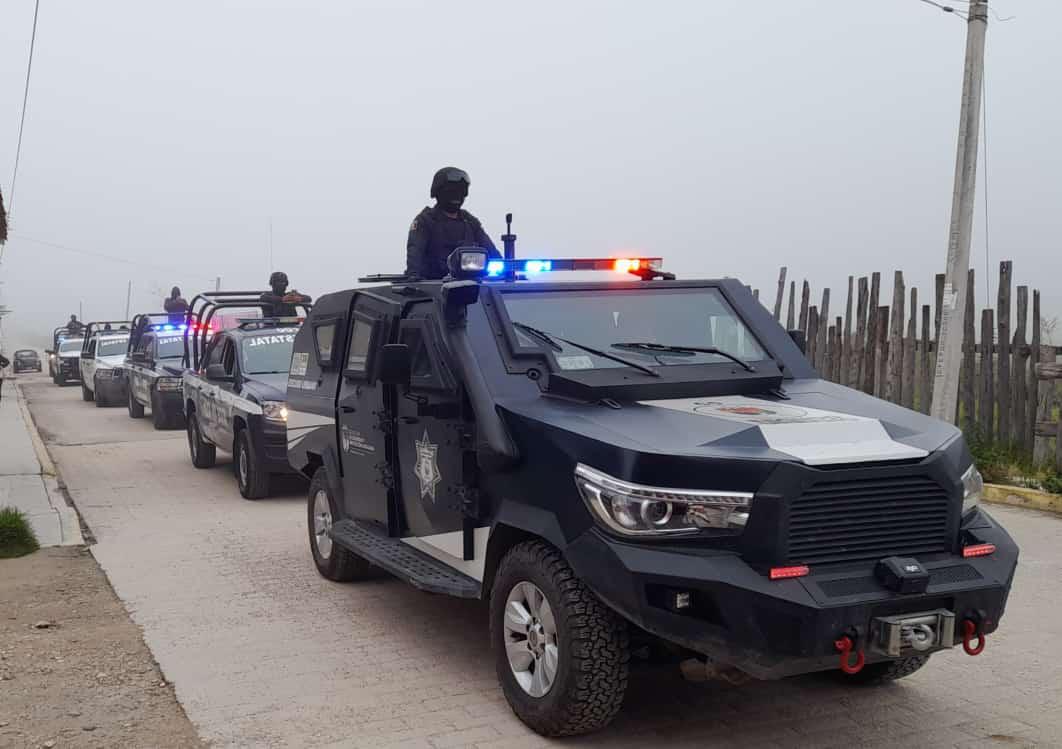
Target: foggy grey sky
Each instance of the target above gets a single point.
(730, 137)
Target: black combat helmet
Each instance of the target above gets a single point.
(278, 278)
(450, 187)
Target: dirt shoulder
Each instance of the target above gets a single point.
(87, 679)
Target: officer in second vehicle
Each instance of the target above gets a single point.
(438, 231)
(279, 302)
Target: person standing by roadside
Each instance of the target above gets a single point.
(4, 364)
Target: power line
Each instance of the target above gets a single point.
(104, 256)
(22, 120)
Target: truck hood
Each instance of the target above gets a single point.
(267, 387)
(111, 361)
(818, 423)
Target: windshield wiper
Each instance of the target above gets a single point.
(660, 348)
(551, 341)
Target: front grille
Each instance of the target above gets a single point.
(849, 521)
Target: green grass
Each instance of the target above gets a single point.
(16, 535)
(1006, 464)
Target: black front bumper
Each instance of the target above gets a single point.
(270, 443)
(111, 388)
(17, 368)
(70, 370)
(772, 629)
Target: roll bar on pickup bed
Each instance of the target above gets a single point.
(205, 306)
(103, 326)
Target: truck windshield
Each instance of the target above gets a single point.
(112, 346)
(71, 345)
(678, 318)
(267, 353)
(171, 347)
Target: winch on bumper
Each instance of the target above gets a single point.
(715, 603)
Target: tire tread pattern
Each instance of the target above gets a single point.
(598, 641)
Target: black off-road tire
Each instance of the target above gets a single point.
(594, 651)
(885, 671)
(255, 484)
(135, 407)
(203, 454)
(341, 565)
(86, 394)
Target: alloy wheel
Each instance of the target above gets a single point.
(531, 642)
(322, 524)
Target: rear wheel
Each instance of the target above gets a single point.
(252, 480)
(204, 454)
(886, 671)
(136, 408)
(332, 560)
(86, 394)
(561, 654)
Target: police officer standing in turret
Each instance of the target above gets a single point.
(438, 231)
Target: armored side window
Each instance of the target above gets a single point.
(360, 346)
(229, 358)
(428, 372)
(324, 337)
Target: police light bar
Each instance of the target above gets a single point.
(168, 326)
(498, 268)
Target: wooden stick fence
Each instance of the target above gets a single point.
(1008, 378)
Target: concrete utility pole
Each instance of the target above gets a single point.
(128, 298)
(949, 346)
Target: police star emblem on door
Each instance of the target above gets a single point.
(427, 468)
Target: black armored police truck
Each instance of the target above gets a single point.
(153, 370)
(233, 387)
(633, 460)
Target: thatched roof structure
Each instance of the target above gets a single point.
(3, 220)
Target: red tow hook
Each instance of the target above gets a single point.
(844, 646)
(969, 629)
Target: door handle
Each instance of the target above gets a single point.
(409, 419)
(347, 409)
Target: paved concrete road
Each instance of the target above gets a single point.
(263, 652)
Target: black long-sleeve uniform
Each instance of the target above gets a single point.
(433, 235)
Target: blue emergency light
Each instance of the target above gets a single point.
(499, 268)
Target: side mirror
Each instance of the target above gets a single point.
(800, 339)
(138, 356)
(396, 364)
(217, 373)
(48, 351)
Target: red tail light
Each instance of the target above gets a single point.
(978, 550)
(784, 573)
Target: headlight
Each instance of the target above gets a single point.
(275, 410)
(635, 510)
(169, 384)
(973, 486)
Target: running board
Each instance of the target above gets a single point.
(403, 561)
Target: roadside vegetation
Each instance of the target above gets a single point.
(16, 535)
(1004, 464)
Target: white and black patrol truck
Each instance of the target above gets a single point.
(233, 389)
(154, 369)
(102, 360)
(64, 357)
(633, 460)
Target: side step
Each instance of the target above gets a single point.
(403, 561)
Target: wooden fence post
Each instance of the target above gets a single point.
(881, 352)
(805, 296)
(838, 344)
(908, 385)
(812, 334)
(968, 374)
(824, 324)
(1018, 374)
(873, 315)
(987, 407)
(860, 344)
(781, 295)
(893, 386)
(925, 390)
(829, 353)
(790, 318)
(1033, 384)
(1003, 393)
